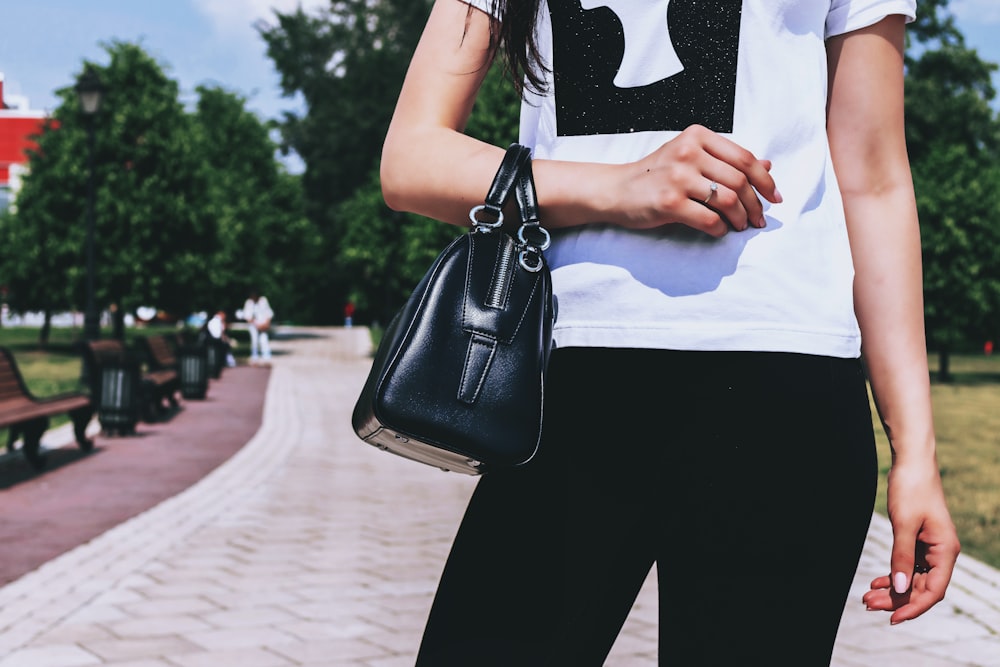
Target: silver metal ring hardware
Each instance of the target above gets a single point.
(530, 258)
(545, 235)
(482, 225)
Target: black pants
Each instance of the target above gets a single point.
(748, 478)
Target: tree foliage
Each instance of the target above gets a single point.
(386, 252)
(959, 202)
(191, 209)
(953, 139)
(348, 65)
(145, 231)
(260, 238)
(39, 244)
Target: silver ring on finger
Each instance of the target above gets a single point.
(713, 187)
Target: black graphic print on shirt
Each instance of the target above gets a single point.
(644, 65)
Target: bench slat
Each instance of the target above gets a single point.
(9, 389)
(159, 348)
(44, 408)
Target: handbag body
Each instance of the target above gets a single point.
(458, 379)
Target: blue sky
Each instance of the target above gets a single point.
(43, 42)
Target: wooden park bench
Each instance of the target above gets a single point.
(187, 357)
(26, 416)
(162, 376)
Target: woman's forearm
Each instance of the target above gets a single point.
(873, 170)
(888, 292)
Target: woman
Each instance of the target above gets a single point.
(706, 405)
(258, 314)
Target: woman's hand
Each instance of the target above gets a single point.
(925, 546)
(700, 179)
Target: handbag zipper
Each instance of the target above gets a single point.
(497, 296)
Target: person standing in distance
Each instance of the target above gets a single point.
(258, 314)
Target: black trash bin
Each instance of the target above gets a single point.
(114, 376)
(120, 399)
(193, 367)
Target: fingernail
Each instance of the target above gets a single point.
(899, 582)
(777, 196)
(762, 223)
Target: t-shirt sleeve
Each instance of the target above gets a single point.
(484, 5)
(848, 15)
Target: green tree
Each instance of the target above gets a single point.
(958, 195)
(192, 209)
(38, 243)
(328, 59)
(953, 136)
(347, 64)
(148, 236)
(260, 237)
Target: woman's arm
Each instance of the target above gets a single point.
(865, 127)
(430, 167)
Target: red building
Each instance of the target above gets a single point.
(18, 125)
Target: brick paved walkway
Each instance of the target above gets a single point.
(309, 548)
(78, 496)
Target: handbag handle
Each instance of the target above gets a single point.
(499, 192)
(515, 174)
(533, 237)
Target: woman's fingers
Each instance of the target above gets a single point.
(705, 218)
(925, 590)
(726, 178)
(745, 179)
(700, 179)
(732, 198)
(908, 595)
(753, 174)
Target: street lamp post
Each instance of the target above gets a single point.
(90, 91)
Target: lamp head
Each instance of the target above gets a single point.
(90, 91)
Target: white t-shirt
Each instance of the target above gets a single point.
(215, 328)
(258, 312)
(631, 74)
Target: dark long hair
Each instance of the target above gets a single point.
(512, 35)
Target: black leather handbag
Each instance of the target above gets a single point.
(458, 380)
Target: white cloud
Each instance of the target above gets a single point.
(981, 11)
(236, 17)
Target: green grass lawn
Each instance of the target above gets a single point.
(966, 412)
(49, 371)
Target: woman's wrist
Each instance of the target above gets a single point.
(576, 193)
(914, 453)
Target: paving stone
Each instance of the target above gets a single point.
(252, 657)
(51, 656)
(122, 648)
(158, 626)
